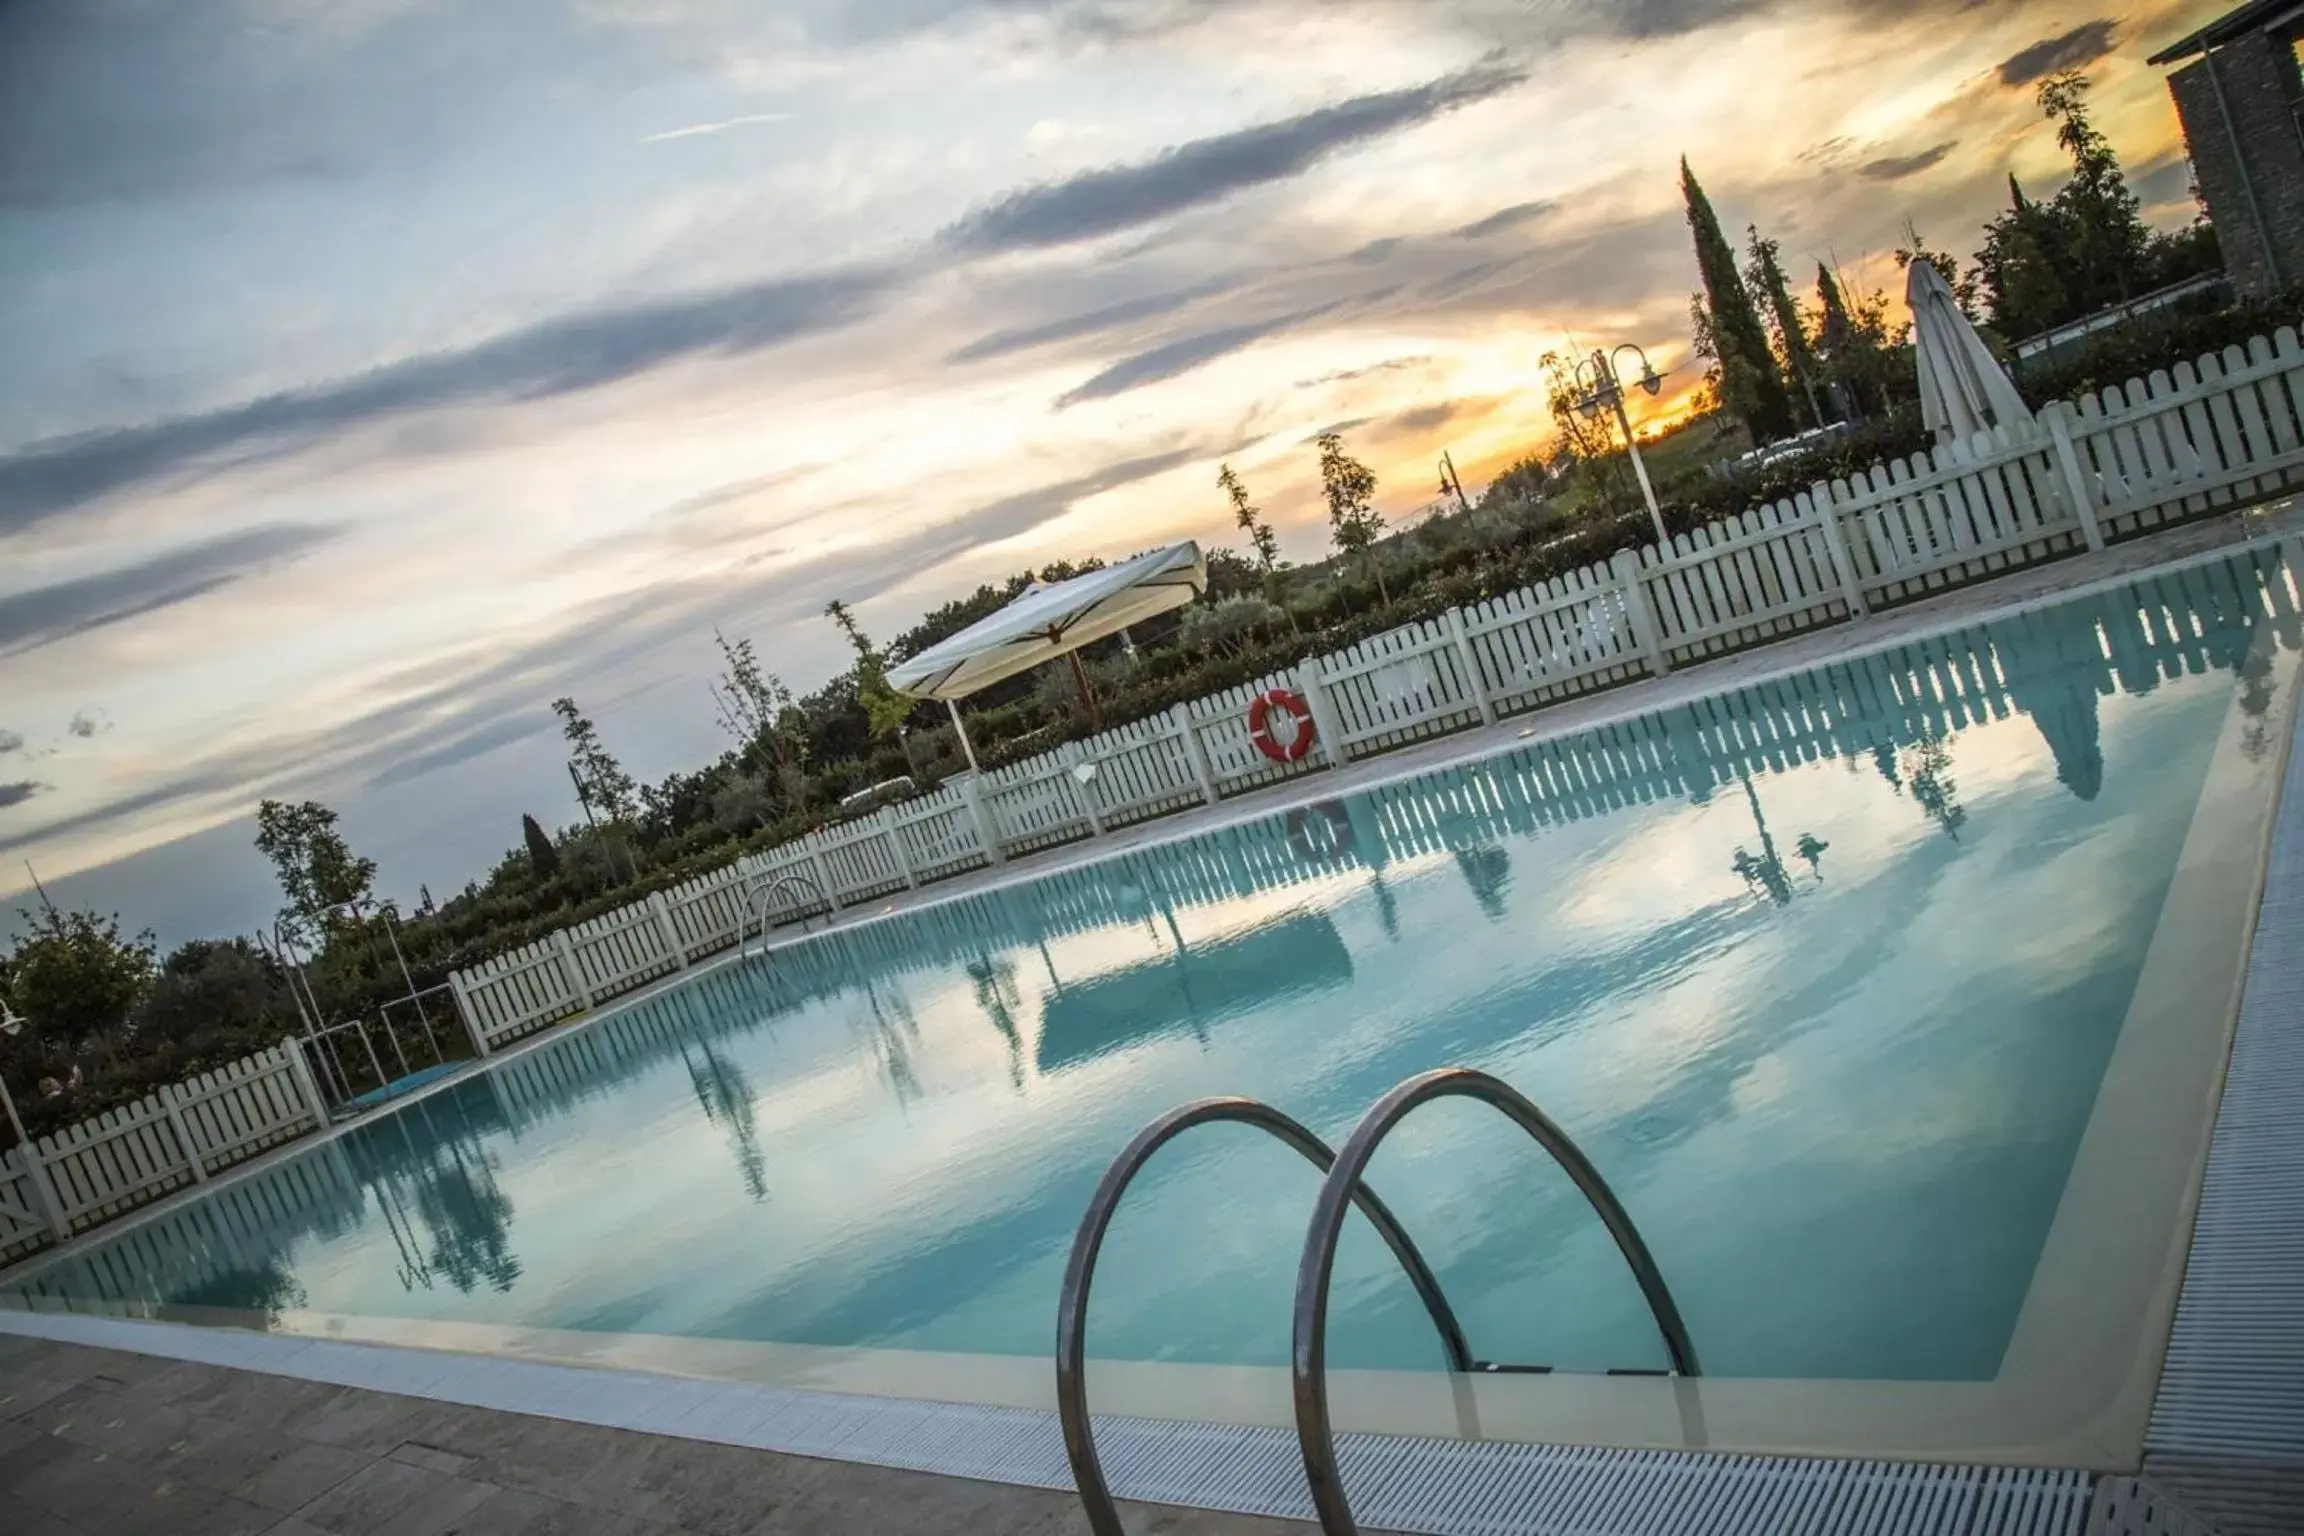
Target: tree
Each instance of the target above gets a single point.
(1230, 626)
(1851, 348)
(1260, 536)
(757, 709)
(1765, 278)
(1963, 286)
(2021, 268)
(884, 708)
(543, 858)
(600, 779)
(215, 987)
(1750, 387)
(1350, 487)
(317, 870)
(2109, 241)
(76, 977)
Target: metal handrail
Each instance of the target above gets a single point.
(1309, 1359)
(757, 896)
(1080, 1272)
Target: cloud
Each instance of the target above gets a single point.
(2076, 49)
(557, 356)
(1425, 417)
(47, 614)
(1897, 167)
(18, 792)
(1181, 356)
(10, 742)
(699, 130)
(1506, 218)
(82, 726)
(1208, 170)
(1022, 338)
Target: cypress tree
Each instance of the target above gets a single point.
(1766, 275)
(543, 858)
(1750, 386)
(1844, 348)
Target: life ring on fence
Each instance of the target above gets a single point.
(1260, 725)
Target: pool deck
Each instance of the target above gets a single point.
(99, 1442)
(511, 1424)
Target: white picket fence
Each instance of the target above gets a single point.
(2217, 433)
(88, 1173)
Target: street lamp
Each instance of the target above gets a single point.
(1603, 391)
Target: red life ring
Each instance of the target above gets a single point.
(1260, 725)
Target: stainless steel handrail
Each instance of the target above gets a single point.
(1080, 1273)
(760, 892)
(1309, 1360)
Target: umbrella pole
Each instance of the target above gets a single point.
(967, 748)
(1087, 694)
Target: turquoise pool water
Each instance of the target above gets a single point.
(1822, 973)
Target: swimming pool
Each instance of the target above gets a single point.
(1828, 975)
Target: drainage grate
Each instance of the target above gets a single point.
(2227, 1432)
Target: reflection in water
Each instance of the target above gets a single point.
(937, 1090)
(1191, 988)
(725, 1095)
(1487, 871)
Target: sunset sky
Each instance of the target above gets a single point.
(377, 370)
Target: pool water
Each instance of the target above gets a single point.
(1822, 973)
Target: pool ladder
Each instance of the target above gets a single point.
(1342, 1187)
(760, 902)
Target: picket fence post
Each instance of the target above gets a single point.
(895, 836)
(464, 1011)
(670, 930)
(1195, 751)
(310, 1087)
(182, 1132)
(1470, 662)
(823, 878)
(1645, 630)
(2076, 489)
(1836, 541)
(1325, 721)
(987, 830)
(1072, 756)
(51, 1204)
(570, 972)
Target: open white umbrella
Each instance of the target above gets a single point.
(1048, 622)
(1963, 388)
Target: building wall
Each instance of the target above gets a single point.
(2240, 109)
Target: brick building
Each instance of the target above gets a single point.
(2241, 102)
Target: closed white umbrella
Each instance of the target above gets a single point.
(1963, 388)
(1048, 622)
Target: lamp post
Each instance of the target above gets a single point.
(1604, 391)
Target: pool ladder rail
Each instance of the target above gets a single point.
(1343, 1187)
(759, 904)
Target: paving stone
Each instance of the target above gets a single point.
(431, 1458)
(516, 1512)
(96, 1414)
(372, 1423)
(265, 1467)
(18, 1518)
(21, 1392)
(390, 1498)
(106, 1494)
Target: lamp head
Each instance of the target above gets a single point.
(11, 1022)
(1649, 378)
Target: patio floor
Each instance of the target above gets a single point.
(96, 1442)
